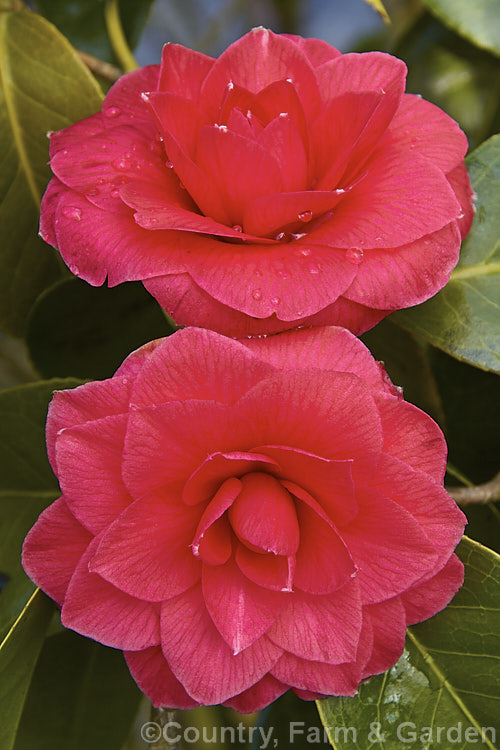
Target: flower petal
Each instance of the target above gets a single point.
(388, 622)
(201, 659)
(219, 468)
(260, 695)
(425, 600)
(183, 71)
(155, 678)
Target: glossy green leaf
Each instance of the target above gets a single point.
(478, 21)
(23, 458)
(81, 697)
(19, 651)
(84, 331)
(464, 318)
(447, 677)
(43, 86)
(18, 513)
(82, 21)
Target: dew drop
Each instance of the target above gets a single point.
(313, 268)
(237, 227)
(275, 300)
(112, 112)
(305, 216)
(72, 212)
(354, 255)
(303, 252)
(282, 275)
(399, 393)
(169, 164)
(257, 294)
(121, 164)
(148, 222)
(74, 269)
(115, 193)
(257, 272)
(92, 192)
(284, 237)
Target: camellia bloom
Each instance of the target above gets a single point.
(279, 185)
(241, 518)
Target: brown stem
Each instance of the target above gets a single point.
(100, 68)
(478, 494)
(162, 716)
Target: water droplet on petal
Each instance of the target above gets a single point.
(148, 222)
(399, 392)
(115, 193)
(112, 112)
(237, 227)
(72, 212)
(74, 269)
(305, 216)
(92, 192)
(257, 294)
(121, 164)
(169, 164)
(354, 255)
(303, 252)
(313, 268)
(275, 300)
(257, 272)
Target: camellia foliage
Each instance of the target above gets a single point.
(258, 525)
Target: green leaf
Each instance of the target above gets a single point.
(93, 691)
(82, 21)
(447, 677)
(43, 86)
(379, 7)
(76, 329)
(23, 458)
(19, 652)
(18, 513)
(478, 21)
(464, 318)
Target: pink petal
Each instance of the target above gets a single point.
(215, 546)
(368, 71)
(155, 678)
(320, 628)
(319, 677)
(89, 460)
(241, 611)
(328, 481)
(402, 198)
(98, 610)
(112, 245)
(85, 403)
(48, 210)
(258, 696)
(132, 365)
(425, 600)
(52, 549)
(267, 214)
(79, 131)
(309, 410)
(255, 61)
(411, 436)
(156, 210)
(316, 50)
(327, 348)
(270, 571)
(97, 167)
(218, 468)
(201, 659)
(166, 443)
(203, 355)
(180, 121)
(388, 622)
(281, 98)
(422, 126)
(124, 104)
(183, 71)
(428, 502)
(389, 547)
(146, 552)
(263, 515)
(405, 276)
(282, 139)
(224, 497)
(240, 169)
(460, 182)
(323, 563)
(347, 131)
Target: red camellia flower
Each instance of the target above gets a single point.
(241, 518)
(281, 184)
